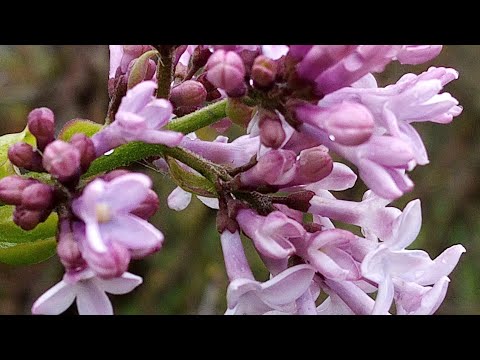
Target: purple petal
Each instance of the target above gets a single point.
(85, 206)
(341, 178)
(157, 113)
(121, 285)
(325, 265)
(443, 265)
(55, 300)
(138, 97)
(407, 226)
(384, 298)
(179, 199)
(125, 193)
(91, 300)
(116, 54)
(287, 286)
(334, 305)
(238, 288)
(132, 232)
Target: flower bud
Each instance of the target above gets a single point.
(41, 123)
(67, 247)
(23, 156)
(38, 196)
(313, 165)
(11, 189)
(272, 134)
(85, 147)
(200, 56)
(148, 207)
(62, 160)
(264, 71)
(346, 123)
(225, 70)
(188, 93)
(110, 264)
(29, 219)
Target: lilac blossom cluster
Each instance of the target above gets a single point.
(297, 105)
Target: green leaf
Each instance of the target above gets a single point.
(191, 182)
(28, 253)
(19, 247)
(6, 167)
(75, 126)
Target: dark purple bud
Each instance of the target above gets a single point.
(238, 92)
(85, 147)
(41, 123)
(248, 57)
(213, 95)
(188, 93)
(62, 160)
(225, 70)
(24, 156)
(264, 71)
(206, 84)
(271, 131)
(148, 207)
(11, 189)
(67, 248)
(313, 164)
(38, 196)
(29, 219)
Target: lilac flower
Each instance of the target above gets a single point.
(250, 297)
(412, 99)
(140, 117)
(105, 208)
(275, 52)
(272, 234)
(371, 214)
(334, 305)
(390, 262)
(88, 290)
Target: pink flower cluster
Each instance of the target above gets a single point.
(298, 104)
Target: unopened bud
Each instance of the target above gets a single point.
(38, 196)
(273, 168)
(272, 134)
(67, 248)
(29, 219)
(85, 147)
(62, 160)
(24, 156)
(188, 93)
(110, 264)
(148, 207)
(41, 123)
(264, 71)
(313, 165)
(225, 70)
(11, 189)
(114, 174)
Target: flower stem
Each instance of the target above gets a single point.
(164, 70)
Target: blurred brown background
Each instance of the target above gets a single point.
(187, 276)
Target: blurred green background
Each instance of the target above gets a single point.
(187, 276)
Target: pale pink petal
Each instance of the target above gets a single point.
(157, 113)
(165, 137)
(132, 232)
(124, 194)
(121, 285)
(179, 199)
(55, 300)
(212, 203)
(91, 300)
(287, 286)
(384, 298)
(443, 265)
(138, 97)
(407, 226)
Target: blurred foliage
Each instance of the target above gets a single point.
(187, 276)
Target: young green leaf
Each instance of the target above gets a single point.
(189, 181)
(75, 126)
(6, 167)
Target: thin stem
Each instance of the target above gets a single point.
(165, 70)
(199, 119)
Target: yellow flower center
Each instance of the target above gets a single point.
(103, 213)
